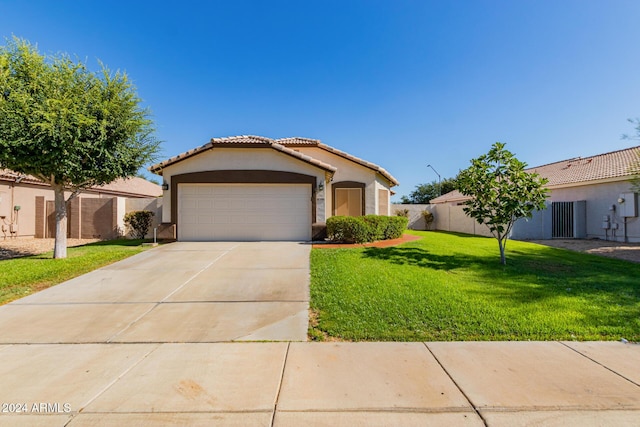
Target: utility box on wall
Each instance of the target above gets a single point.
(628, 205)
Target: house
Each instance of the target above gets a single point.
(27, 207)
(256, 188)
(590, 197)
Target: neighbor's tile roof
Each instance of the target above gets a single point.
(9, 175)
(579, 170)
(450, 197)
(282, 145)
(133, 186)
(615, 164)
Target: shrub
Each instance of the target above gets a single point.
(376, 226)
(364, 229)
(395, 227)
(138, 223)
(428, 218)
(348, 229)
(403, 212)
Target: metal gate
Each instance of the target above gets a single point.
(563, 220)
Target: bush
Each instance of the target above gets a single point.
(403, 212)
(395, 227)
(428, 218)
(348, 229)
(363, 229)
(138, 223)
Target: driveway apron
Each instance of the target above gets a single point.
(183, 292)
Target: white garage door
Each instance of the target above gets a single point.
(244, 212)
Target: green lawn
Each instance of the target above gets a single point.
(449, 286)
(20, 277)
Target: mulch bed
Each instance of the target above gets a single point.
(379, 244)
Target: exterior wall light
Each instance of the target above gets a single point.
(165, 186)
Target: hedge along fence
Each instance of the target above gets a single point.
(363, 229)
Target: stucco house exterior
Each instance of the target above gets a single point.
(256, 188)
(27, 207)
(590, 197)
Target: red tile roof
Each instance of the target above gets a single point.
(616, 164)
(133, 186)
(282, 145)
(242, 141)
(297, 141)
(612, 166)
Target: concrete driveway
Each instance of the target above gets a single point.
(186, 292)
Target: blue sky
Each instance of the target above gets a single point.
(400, 83)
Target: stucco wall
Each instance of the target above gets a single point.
(24, 195)
(242, 159)
(416, 220)
(601, 200)
(351, 171)
(446, 218)
(539, 226)
(151, 204)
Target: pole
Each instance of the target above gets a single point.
(439, 180)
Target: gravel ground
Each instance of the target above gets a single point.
(626, 251)
(14, 248)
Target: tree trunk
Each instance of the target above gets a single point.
(60, 247)
(503, 258)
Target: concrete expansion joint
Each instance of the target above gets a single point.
(598, 363)
(118, 378)
(280, 382)
(552, 408)
(385, 410)
(473, 405)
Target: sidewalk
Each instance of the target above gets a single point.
(333, 384)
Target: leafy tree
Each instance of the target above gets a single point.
(423, 193)
(501, 192)
(68, 126)
(635, 167)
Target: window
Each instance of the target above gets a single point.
(348, 201)
(383, 202)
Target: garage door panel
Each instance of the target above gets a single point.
(244, 212)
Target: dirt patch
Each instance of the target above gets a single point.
(15, 248)
(625, 251)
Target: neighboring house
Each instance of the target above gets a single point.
(590, 197)
(257, 188)
(27, 207)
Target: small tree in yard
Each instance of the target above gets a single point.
(138, 223)
(68, 126)
(502, 192)
(635, 166)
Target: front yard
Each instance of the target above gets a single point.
(20, 277)
(448, 287)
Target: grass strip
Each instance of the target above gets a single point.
(20, 277)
